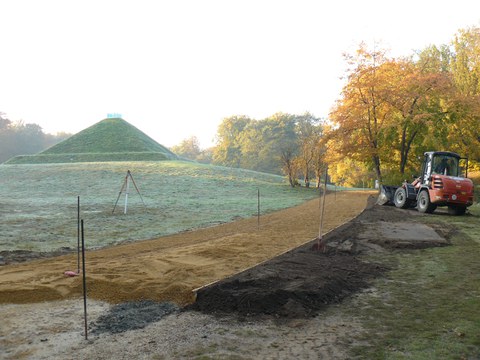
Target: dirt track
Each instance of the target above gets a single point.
(168, 268)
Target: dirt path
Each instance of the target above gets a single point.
(168, 268)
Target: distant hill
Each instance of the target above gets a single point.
(112, 139)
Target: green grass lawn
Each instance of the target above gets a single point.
(428, 306)
(38, 202)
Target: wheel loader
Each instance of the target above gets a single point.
(442, 182)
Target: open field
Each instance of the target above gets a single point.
(392, 284)
(38, 203)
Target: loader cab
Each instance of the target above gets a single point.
(440, 163)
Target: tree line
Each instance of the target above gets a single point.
(390, 111)
(280, 144)
(19, 138)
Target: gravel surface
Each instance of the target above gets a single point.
(132, 316)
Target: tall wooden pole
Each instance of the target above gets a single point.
(322, 212)
(84, 284)
(78, 234)
(258, 208)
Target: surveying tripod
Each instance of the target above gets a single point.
(126, 187)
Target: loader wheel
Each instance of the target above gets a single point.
(400, 198)
(423, 204)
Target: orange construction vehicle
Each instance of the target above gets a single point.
(443, 182)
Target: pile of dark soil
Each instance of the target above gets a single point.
(304, 280)
(297, 284)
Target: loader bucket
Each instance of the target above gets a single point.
(386, 195)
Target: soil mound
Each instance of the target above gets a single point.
(302, 281)
(297, 284)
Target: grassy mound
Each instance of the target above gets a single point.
(111, 139)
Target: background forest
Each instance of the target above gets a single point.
(18, 138)
(389, 112)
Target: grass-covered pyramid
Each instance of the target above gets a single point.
(111, 139)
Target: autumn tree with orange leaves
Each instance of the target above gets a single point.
(464, 118)
(360, 118)
(392, 110)
(415, 96)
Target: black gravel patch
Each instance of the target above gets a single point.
(132, 316)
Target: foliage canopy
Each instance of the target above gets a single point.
(280, 143)
(392, 110)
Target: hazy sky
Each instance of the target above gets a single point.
(176, 68)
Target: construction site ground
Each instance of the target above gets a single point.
(261, 288)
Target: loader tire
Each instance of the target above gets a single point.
(400, 198)
(423, 203)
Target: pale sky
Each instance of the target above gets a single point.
(176, 68)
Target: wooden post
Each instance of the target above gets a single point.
(78, 234)
(84, 284)
(319, 243)
(258, 208)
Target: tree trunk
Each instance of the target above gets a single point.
(406, 145)
(288, 166)
(378, 172)
(307, 180)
